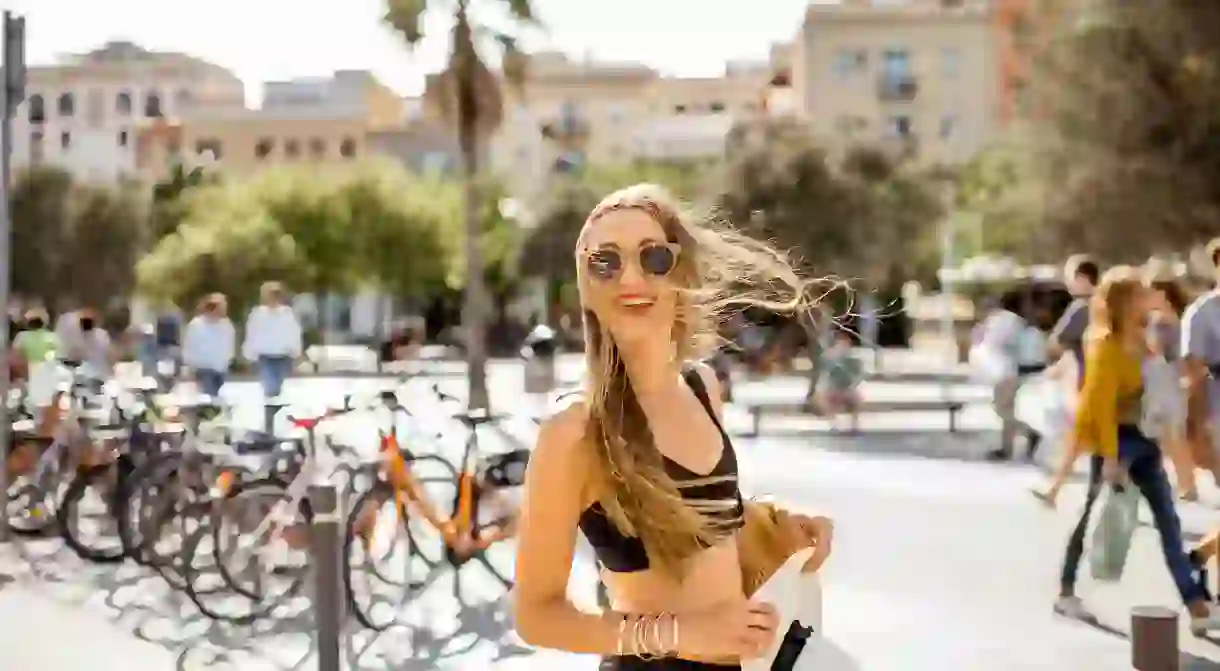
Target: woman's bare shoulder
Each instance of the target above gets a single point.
(561, 437)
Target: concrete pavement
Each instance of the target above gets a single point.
(942, 562)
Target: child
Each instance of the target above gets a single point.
(841, 375)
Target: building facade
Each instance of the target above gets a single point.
(572, 113)
(86, 112)
(919, 77)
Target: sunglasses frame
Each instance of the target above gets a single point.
(673, 247)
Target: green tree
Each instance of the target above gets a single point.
(169, 206)
(472, 99)
(74, 242)
(1124, 103)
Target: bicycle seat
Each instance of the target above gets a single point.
(473, 418)
(257, 442)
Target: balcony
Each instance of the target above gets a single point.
(897, 88)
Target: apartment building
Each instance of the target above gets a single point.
(572, 113)
(920, 77)
(315, 121)
(85, 112)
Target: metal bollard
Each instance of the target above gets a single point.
(325, 540)
(1154, 639)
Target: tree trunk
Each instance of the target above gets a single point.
(474, 309)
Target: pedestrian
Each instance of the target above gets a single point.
(35, 344)
(1001, 337)
(88, 345)
(1201, 352)
(208, 346)
(1110, 424)
(1081, 274)
(272, 342)
(642, 466)
(838, 391)
(1165, 339)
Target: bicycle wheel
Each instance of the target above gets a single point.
(258, 557)
(388, 554)
(89, 506)
(158, 516)
(33, 497)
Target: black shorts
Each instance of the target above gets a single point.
(637, 664)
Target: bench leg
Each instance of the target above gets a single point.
(755, 422)
(953, 420)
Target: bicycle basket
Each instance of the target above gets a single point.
(505, 470)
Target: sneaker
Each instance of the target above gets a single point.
(999, 455)
(1202, 625)
(1072, 607)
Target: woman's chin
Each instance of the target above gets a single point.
(631, 332)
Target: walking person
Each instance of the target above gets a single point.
(209, 345)
(272, 343)
(841, 375)
(87, 344)
(1110, 422)
(1001, 335)
(1081, 275)
(642, 466)
(1168, 304)
(1200, 327)
(35, 343)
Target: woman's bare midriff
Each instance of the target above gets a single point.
(714, 578)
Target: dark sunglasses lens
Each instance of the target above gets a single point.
(605, 264)
(657, 259)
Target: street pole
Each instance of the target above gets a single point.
(14, 93)
(948, 327)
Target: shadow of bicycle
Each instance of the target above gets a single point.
(435, 626)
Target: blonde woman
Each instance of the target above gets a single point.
(641, 467)
(1109, 421)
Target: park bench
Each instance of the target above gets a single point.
(788, 407)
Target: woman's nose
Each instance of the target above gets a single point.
(631, 276)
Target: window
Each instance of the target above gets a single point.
(616, 113)
(896, 64)
(264, 147)
(898, 126)
(347, 148)
(152, 105)
(65, 140)
(183, 99)
(317, 147)
(205, 146)
(292, 149)
(122, 103)
(716, 107)
(948, 125)
(38, 110)
(951, 62)
(849, 62)
(66, 105)
(122, 139)
(679, 109)
(849, 124)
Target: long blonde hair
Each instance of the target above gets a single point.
(1114, 301)
(718, 273)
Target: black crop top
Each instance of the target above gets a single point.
(625, 554)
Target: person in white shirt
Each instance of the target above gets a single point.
(273, 339)
(209, 344)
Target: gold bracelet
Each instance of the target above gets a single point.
(656, 631)
(673, 620)
(641, 639)
(619, 642)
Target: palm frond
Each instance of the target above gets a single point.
(407, 18)
(522, 10)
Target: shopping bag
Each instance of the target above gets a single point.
(990, 365)
(1112, 536)
(801, 644)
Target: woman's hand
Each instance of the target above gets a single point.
(814, 532)
(742, 630)
(1113, 472)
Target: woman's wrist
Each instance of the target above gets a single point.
(647, 635)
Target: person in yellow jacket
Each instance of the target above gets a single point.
(1108, 423)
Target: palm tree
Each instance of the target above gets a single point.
(470, 96)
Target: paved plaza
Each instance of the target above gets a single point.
(942, 562)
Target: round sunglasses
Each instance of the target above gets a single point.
(655, 258)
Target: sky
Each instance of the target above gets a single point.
(262, 40)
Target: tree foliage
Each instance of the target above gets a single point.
(75, 242)
(862, 215)
(1125, 104)
(321, 231)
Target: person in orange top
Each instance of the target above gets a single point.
(1108, 422)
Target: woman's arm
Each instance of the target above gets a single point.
(555, 486)
(1097, 417)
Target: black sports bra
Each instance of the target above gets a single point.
(626, 554)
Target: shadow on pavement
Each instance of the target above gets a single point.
(140, 601)
(1188, 661)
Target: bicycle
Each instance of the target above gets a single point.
(464, 535)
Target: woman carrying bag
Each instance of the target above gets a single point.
(1112, 421)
